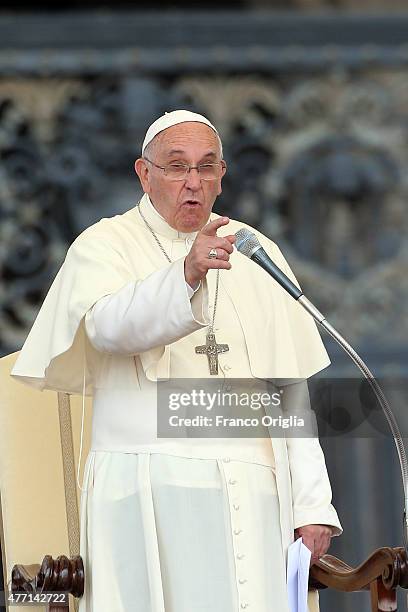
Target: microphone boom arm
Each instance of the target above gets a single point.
(248, 244)
(375, 386)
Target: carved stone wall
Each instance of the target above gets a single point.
(216, 5)
(317, 162)
(356, 5)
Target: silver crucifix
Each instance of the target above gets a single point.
(212, 349)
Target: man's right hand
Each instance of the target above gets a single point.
(197, 263)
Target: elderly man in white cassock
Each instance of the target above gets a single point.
(181, 524)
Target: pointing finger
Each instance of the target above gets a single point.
(211, 228)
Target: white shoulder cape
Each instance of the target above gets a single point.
(281, 338)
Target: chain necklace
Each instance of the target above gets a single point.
(210, 348)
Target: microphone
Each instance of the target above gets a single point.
(248, 244)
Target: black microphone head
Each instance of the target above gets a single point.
(246, 242)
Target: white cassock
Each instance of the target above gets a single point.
(178, 524)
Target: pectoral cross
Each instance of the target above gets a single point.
(211, 349)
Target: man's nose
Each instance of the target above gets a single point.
(193, 179)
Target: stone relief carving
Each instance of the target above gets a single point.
(317, 162)
(358, 5)
(321, 170)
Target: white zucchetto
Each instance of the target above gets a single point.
(169, 119)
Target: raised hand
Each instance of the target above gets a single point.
(197, 262)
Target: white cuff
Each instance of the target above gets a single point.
(192, 291)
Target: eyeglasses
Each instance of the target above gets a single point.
(179, 171)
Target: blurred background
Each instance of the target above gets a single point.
(311, 100)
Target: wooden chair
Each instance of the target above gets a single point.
(39, 498)
(39, 502)
(381, 574)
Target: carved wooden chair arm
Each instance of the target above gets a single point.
(52, 576)
(382, 573)
(389, 564)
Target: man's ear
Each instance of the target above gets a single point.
(224, 169)
(142, 172)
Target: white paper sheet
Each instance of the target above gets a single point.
(298, 575)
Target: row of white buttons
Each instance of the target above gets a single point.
(240, 556)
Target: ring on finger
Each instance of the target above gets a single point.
(213, 254)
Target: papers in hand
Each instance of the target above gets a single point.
(298, 575)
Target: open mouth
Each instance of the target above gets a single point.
(192, 202)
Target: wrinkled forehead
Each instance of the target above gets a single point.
(186, 136)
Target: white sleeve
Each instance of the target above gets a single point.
(311, 490)
(192, 291)
(142, 315)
